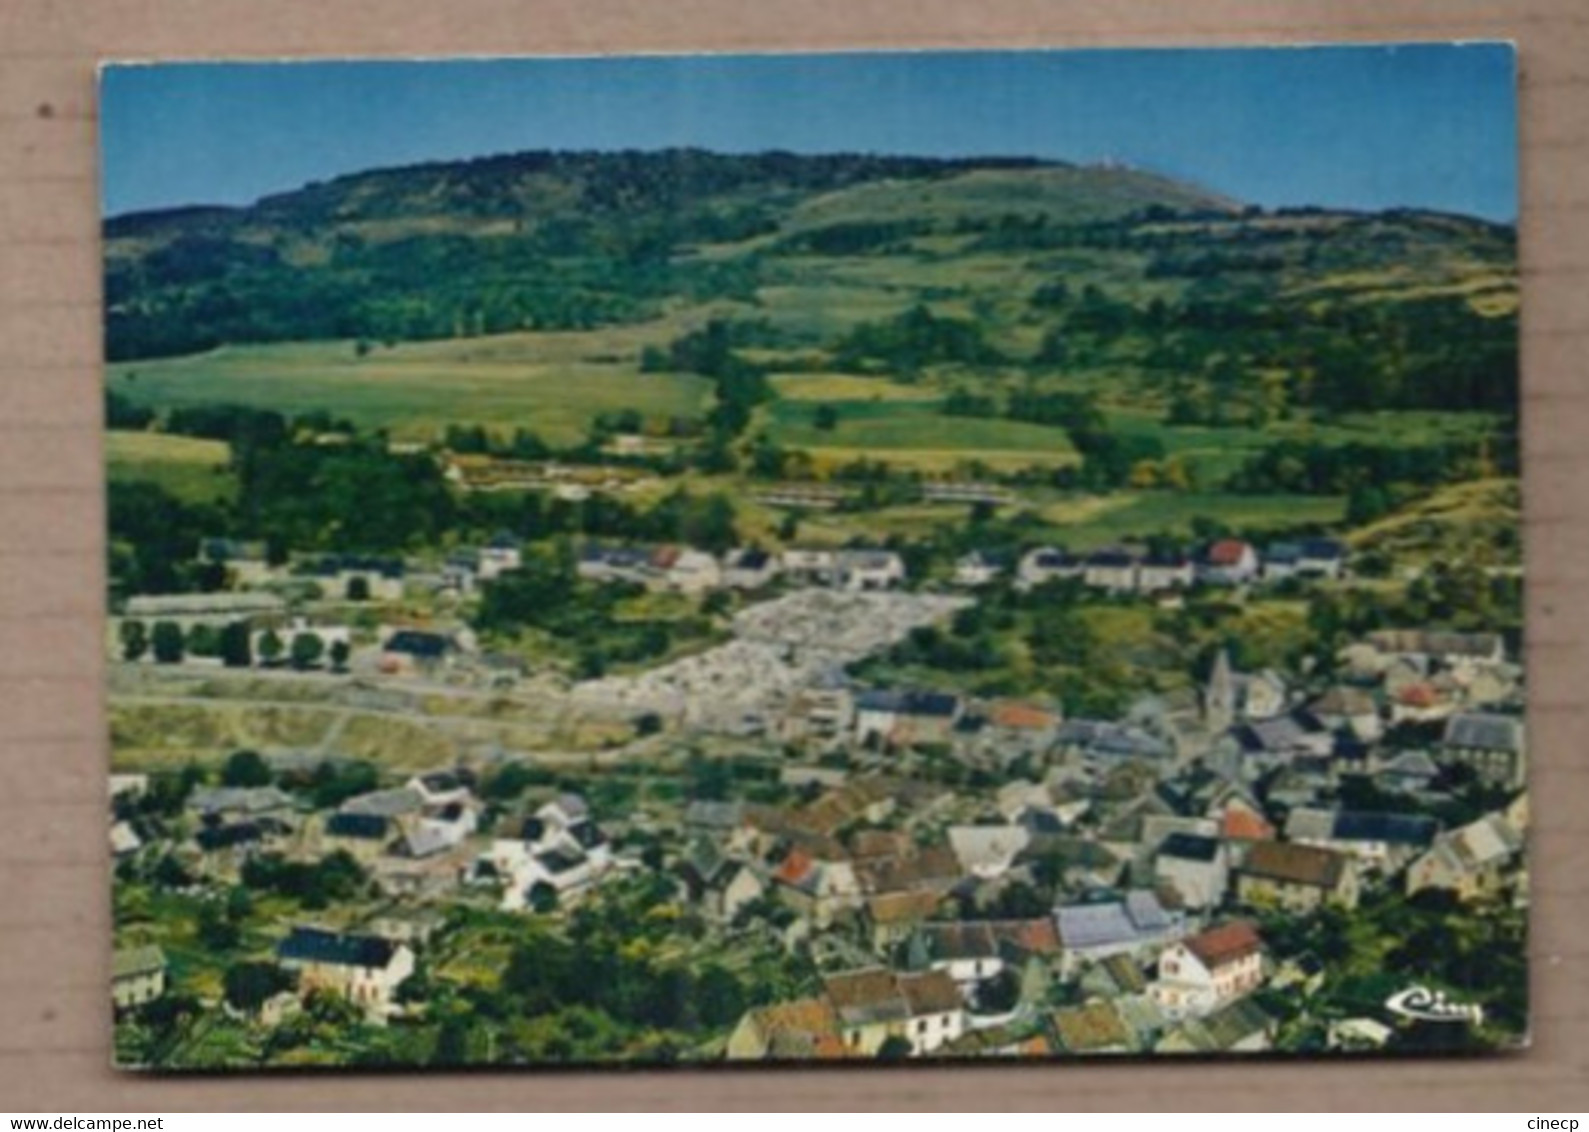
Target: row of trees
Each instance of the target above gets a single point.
(232, 644)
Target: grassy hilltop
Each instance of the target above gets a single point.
(968, 318)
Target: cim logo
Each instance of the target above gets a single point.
(1433, 1006)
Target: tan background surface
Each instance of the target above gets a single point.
(54, 929)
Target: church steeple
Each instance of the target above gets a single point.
(1219, 697)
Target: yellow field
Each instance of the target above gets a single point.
(192, 469)
(846, 387)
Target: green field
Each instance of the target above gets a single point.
(1215, 452)
(1087, 523)
(915, 434)
(191, 469)
(540, 382)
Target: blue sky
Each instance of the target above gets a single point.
(1431, 126)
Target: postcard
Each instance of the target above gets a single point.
(823, 558)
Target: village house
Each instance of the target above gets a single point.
(1195, 867)
(817, 889)
(219, 804)
(614, 564)
(823, 712)
(364, 969)
(1159, 572)
(137, 976)
(216, 609)
(1105, 743)
(719, 886)
(1296, 878)
(687, 570)
(905, 717)
(1228, 562)
(1491, 745)
(869, 569)
(1413, 773)
(1047, 564)
(1201, 973)
(1135, 925)
(1380, 841)
(1095, 1028)
(408, 652)
(1241, 1026)
(364, 837)
(809, 565)
(749, 568)
(876, 1004)
(1113, 569)
(561, 848)
(987, 851)
(977, 569)
(1465, 654)
(973, 951)
(1261, 745)
(892, 917)
(1471, 862)
(503, 553)
(797, 1030)
(1343, 708)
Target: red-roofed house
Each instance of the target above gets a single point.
(1200, 974)
(1228, 562)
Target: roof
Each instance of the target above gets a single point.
(226, 836)
(871, 995)
(1016, 715)
(244, 799)
(130, 962)
(1323, 548)
(1189, 846)
(931, 992)
(1125, 974)
(799, 1028)
(890, 908)
(317, 945)
(1295, 864)
(1241, 824)
(1436, 642)
(1139, 916)
(1281, 733)
(1111, 558)
(987, 846)
(388, 803)
(417, 643)
(1344, 701)
(364, 826)
(908, 703)
(1489, 841)
(1484, 731)
(1395, 829)
(1225, 944)
(1223, 1029)
(1411, 764)
(1092, 1028)
(1228, 552)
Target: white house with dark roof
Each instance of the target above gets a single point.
(1196, 867)
(1137, 924)
(1492, 745)
(1045, 564)
(870, 569)
(1471, 862)
(364, 969)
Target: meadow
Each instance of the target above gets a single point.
(415, 390)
